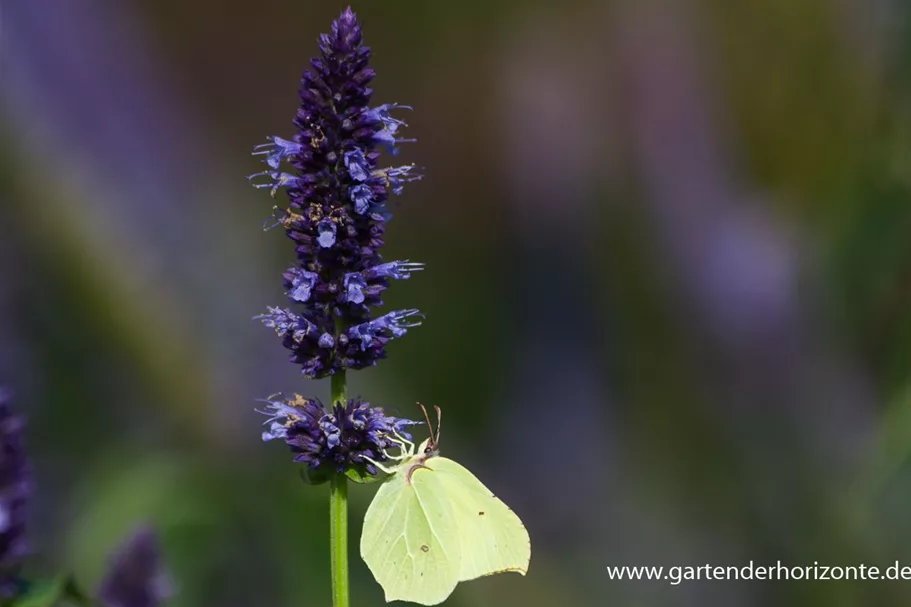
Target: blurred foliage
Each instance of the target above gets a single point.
(566, 345)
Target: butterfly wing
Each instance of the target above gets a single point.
(493, 538)
(410, 541)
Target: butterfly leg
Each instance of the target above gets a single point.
(404, 441)
(380, 466)
(406, 450)
(405, 446)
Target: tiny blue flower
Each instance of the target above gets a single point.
(390, 126)
(389, 141)
(333, 433)
(277, 150)
(354, 288)
(287, 323)
(381, 114)
(277, 411)
(393, 269)
(301, 284)
(326, 340)
(327, 231)
(276, 428)
(361, 195)
(278, 180)
(357, 165)
(388, 325)
(277, 219)
(397, 177)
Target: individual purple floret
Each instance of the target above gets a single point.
(390, 126)
(357, 165)
(393, 269)
(337, 210)
(277, 180)
(340, 438)
(355, 288)
(136, 577)
(394, 324)
(287, 324)
(327, 230)
(397, 177)
(277, 150)
(362, 196)
(16, 488)
(302, 283)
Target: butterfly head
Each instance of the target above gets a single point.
(427, 449)
(431, 446)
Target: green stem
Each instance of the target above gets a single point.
(338, 515)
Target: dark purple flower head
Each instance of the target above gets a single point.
(337, 439)
(16, 487)
(137, 577)
(337, 210)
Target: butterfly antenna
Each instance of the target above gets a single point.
(439, 424)
(429, 426)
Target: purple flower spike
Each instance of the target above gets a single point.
(336, 214)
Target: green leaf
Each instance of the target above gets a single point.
(359, 474)
(43, 593)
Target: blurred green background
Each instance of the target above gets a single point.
(668, 286)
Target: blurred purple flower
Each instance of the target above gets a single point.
(337, 211)
(137, 577)
(16, 488)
